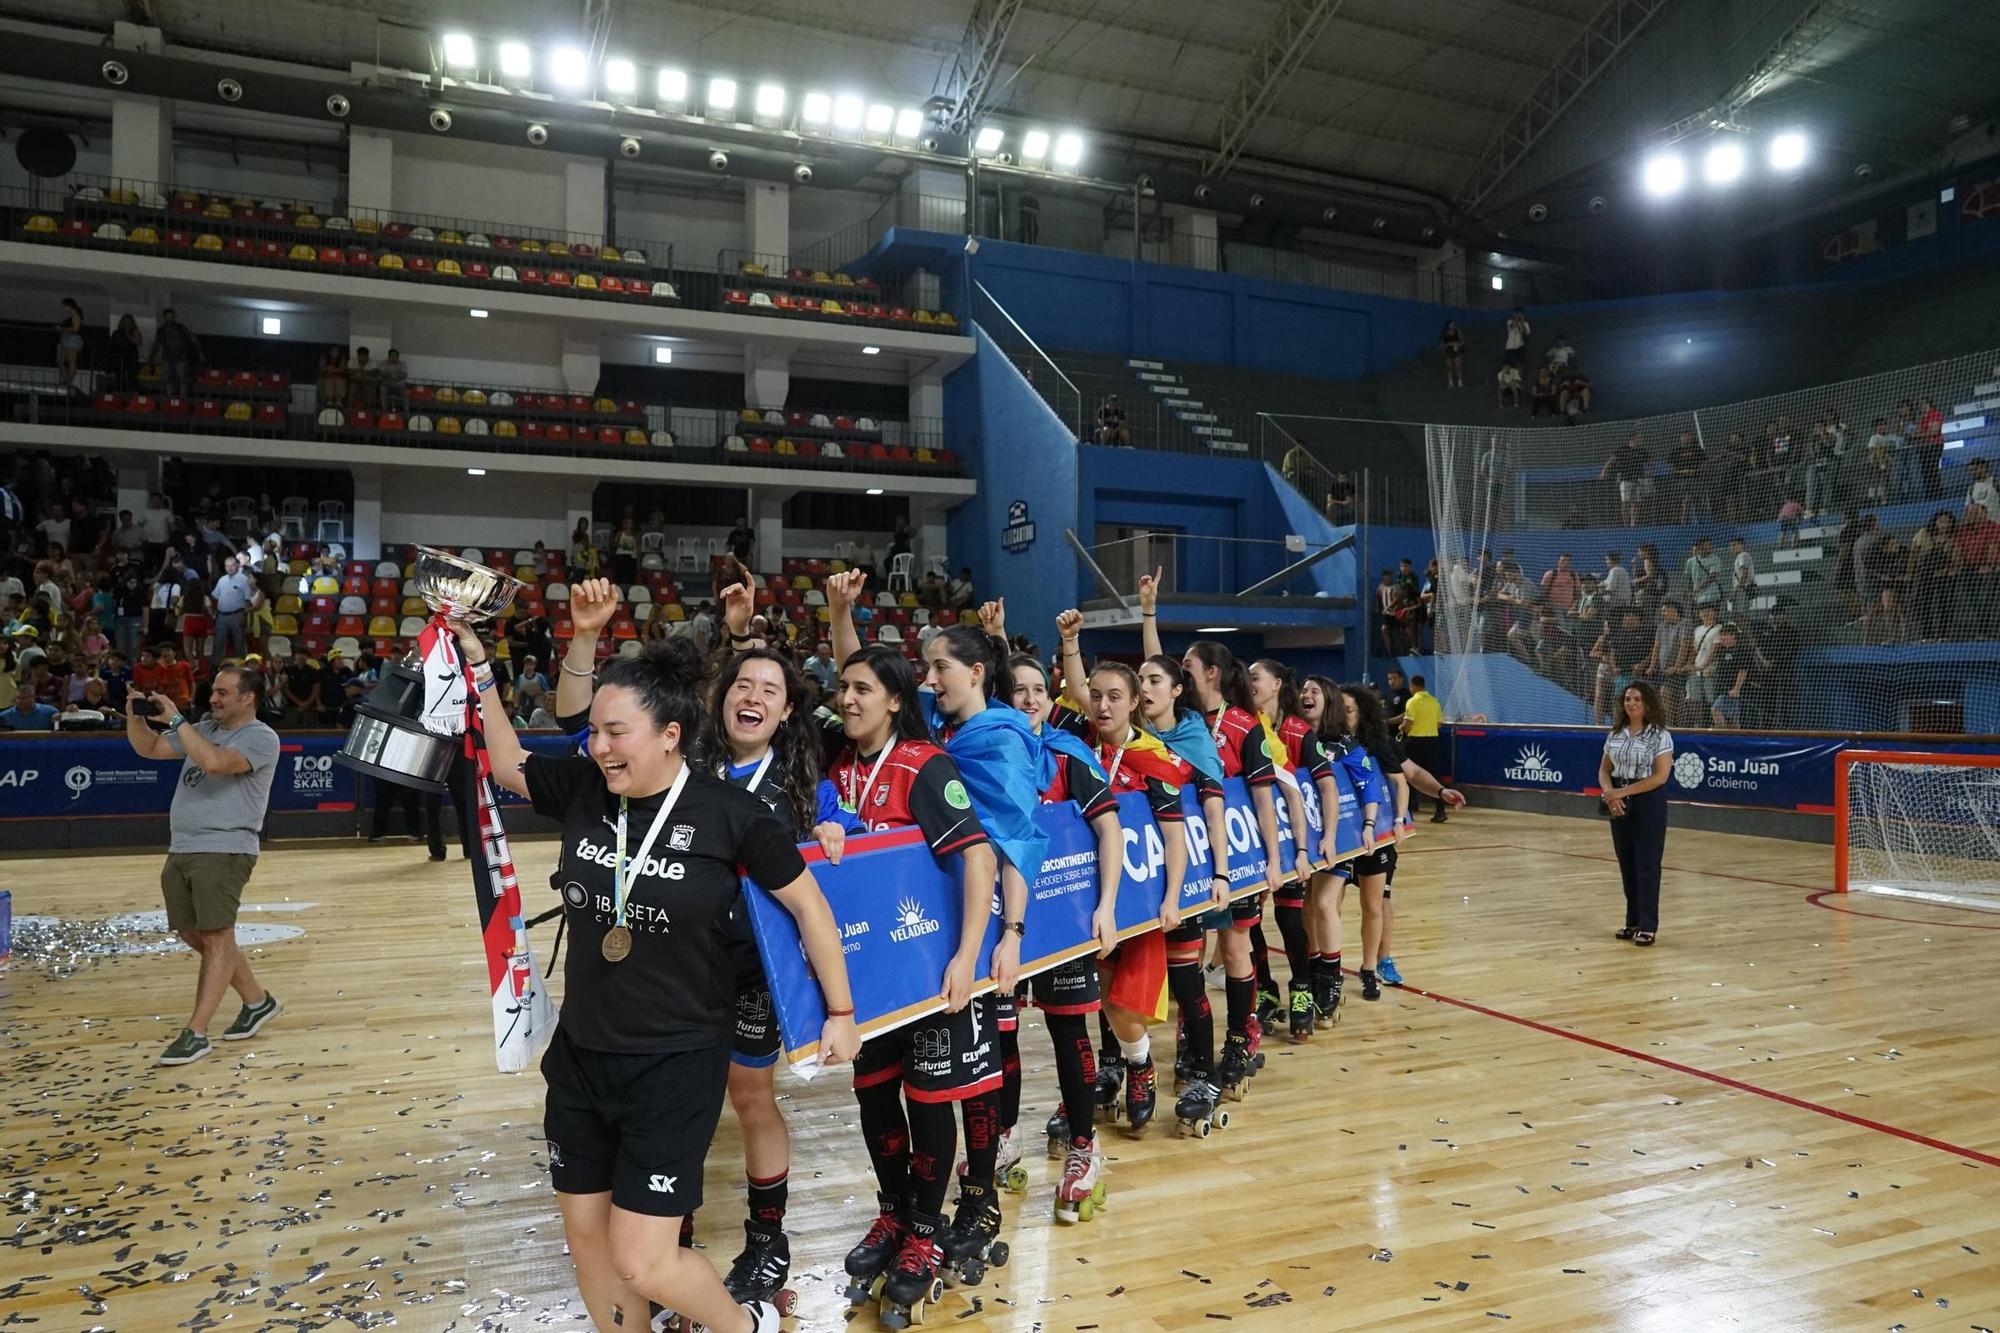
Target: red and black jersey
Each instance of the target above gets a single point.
(1069, 719)
(1303, 749)
(1239, 737)
(919, 784)
(1154, 770)
(1076, 782)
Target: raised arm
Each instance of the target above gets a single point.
(1076, 678)
(1149, 621)
(842, 591)
(502, 745)
(993, 619)
(591, 603)
(145, 742)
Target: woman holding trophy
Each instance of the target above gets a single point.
(639, 1067)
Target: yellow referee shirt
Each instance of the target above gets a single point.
(1424, 713)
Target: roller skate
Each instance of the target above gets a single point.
(914, 1281)
(1371, 989)
(1195, 1111)
(1058, 1132)
(867, 1261)
(1139, 1099)
(1232, 1075)
(760, 1271)
(1110, 1072)
(970, 1244)
(1326, 1003)
(1300, 1012)
(1268, 1007)
(1008, 1171)
(1081, 1193)
(1255, 1045)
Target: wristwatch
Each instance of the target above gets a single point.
(1014, 927)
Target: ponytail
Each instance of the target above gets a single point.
(970, 646)
(1232, 682)
(668, 677)
(1288, 686)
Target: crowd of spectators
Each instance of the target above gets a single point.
(364, 383)
(1557, 385)
(175, 352)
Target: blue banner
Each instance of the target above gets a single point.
(899, 908)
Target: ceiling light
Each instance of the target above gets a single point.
(987, 142)
(1788, 151)
(871, 351)
(874, 490)
(908, 122)
(269, 326)
(881, 117)
(621, 78)
(1724, 163)
(1664, 174)
(816, 109)
(722, 94)
(1069, 149)
(848, 112)
(663, 356)
(1216, 629)
(459, 52)
(770, 101)
(569, 68)
(673, 86)
(515, 61)
(476, 313)
(475, 472)
(1034, 146)
(1498, 284)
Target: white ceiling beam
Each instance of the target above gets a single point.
(978, 60)
(1296, 26)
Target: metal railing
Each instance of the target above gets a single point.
(1239, 566)
(1056, 387)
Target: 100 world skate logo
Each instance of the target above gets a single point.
(911, 921)
(1532, 765)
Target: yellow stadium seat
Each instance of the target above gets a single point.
(382, 627)
(449, 426)
(290, 605)
(367, 226)
(634, 435)
(208, 240)
(307, 222)
(389, 260)
(296, 567)
(925, 455)
(284, 623)
(473, 398)
(754, 271)
(216, 210)
(144, 236)
(447, 394)
(416, 606)
(558, 248)
(236, 412)
(450, 237)
(605, 405)
(303, 254)
(448, 268)
(326, 585)
(673, 612)
(908, 601)
(926, 317)
(586, 282)
(505, 430)
(41, 222)
(785, 446)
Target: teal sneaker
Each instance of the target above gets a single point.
(1386, 969)
(186, 1048)
(251, 1018)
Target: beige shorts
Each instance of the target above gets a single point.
(204, 889)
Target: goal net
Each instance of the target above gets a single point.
(1921, 826)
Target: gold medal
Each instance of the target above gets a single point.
(617, 946)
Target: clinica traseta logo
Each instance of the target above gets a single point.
(1532, 765)
(911, 921)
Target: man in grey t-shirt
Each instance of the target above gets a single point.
(215, 827)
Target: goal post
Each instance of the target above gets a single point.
(1919, 825)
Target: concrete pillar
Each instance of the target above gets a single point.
(767, 374)
(364, 521)
(583, 199)
(578, 502)
(928, 518)
(370, 328)
(371, 172)
(927, 400)
(142, 142)
(933, 199)
(135, 486)
(1195, 242)
(767, 520)
(767, 222)
(581, 362)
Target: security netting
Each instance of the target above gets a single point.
(1825, 559)
(1923, 830)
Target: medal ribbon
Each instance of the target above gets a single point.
(621, 876)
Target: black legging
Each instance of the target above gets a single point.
(1639, 836)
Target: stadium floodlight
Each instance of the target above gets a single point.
(987, 142)
(722, 94)
(1723, 164)
(663, 356)
(848, 112)
(459, 51)
(1034, 145)
(770, 103)
(673, 86)
(1499, 283)
(1788, 151)
(881, 118)
(816, 109)
(1664, 174)
(271, 326)
(874, 490)
(621, 78)
(1069, 149)
(569, 68)
(515, 60)
(909, 123)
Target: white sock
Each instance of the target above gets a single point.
(1136, 1052)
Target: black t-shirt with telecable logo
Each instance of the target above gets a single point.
(676, 990)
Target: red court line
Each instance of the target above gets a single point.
(1816, 899)
(1909, 1136)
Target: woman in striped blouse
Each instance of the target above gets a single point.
(1638, 758)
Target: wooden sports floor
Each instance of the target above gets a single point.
(1782, 1117)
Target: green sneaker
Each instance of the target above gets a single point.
(187, 1048)
(250, 1019)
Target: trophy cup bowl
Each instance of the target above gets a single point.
(388, 740)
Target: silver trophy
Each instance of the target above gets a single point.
(388, 740)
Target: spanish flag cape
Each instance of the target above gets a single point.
(1188, 740)
(1281, 754)
(1146, 756)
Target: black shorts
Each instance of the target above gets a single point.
(1069, 989)
(941, 1057)
(757, 1040)
(1381, 861)
(1292, 893)
(636, 1125)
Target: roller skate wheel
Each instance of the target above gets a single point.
(998, 1254)
(1222, 1120)
(1236, 1092)
(1257, 1063)
(786, 1302)
(1097, 1194)
(1067, 1213)
(1201, 1129)
(1016, 1178)
(1086, 1210)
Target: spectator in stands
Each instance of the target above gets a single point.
(1617, 581)
(702, 626)
(1111, 422)
(625, 552)
(1883, 446)
(69, 345)
(127, 346)
(1704, 574)
(1685, 466)
(301, 689)
(1649, 580)
(1561, 353)
(1452, 343)
(1863, 569)
(178, 354)
(10, 676)
(531, 691)
(1789, 514)
(1627, 468)
(1672, 653)
(28, 713)
(1883, 617)
(1553, 651)
(821, 666)
(1619, 650)
(958, 592)
(742, 540)
(930, 592)
(1560, 585)
(1927, 450)
(1518, 330)
(1508, 382)
(583, 554)
(364, 383)
(175, 676)
(1701, 667)
(1781, 459)
(1742, 577)
(332, 378)
(1980, 494)
(1978, 543)
(1823, 455)
(1573, 395)
(1732, 678)
(395, 380)
(1932, 576)
(1734, 467)
(234, 595)
(1340, 509)
(1542, 394)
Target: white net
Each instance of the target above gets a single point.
(1926, 830)
(1820, 560)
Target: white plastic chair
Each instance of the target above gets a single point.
(353, 606)
(638, 593)
(347, 647)
(292, 517)
(523, 557)
(556, 592)
(652, 543)
(687, 554)
(388, 569)
(277, 646)
(411, 627)
(888, 634)
(332, 526)
(899, 572)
